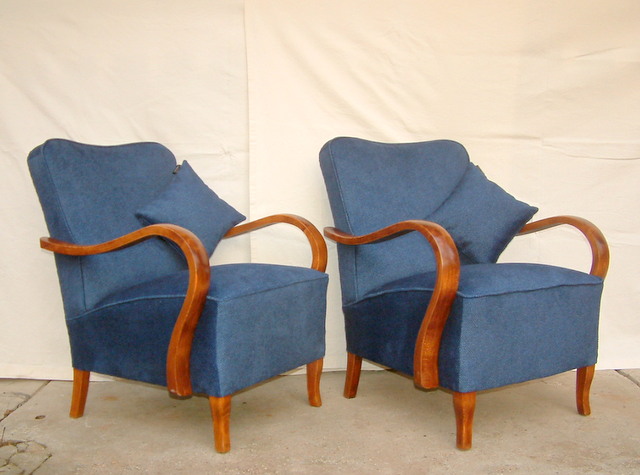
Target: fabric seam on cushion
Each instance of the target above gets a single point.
(496, 294)
(53, 182)
(114, 304)
(66, 223)
(338, 182)
(453, 190)
(322, 276)
(183, 296)
(346, 214)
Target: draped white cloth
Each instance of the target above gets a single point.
(545, 96)
(108, 72)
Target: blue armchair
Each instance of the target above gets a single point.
(419, 230)
(132, 235)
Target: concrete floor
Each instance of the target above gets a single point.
(390, 428)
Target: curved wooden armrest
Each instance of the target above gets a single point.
(179, 353)
(318, 246)
(597, 241)
(425, 362)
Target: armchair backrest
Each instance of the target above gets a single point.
(372, 185)
(89, 195)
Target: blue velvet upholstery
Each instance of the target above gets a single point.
(259, 319)
(189, 202)
(509, 322)
(89, 194)
(372, 185)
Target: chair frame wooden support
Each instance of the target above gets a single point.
(448, 272)
(179, 351)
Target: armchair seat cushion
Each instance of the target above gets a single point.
(232, 349)
(509, 323)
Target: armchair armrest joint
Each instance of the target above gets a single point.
(597, 241)
(427, 349)
(317, 243)
(179, 352)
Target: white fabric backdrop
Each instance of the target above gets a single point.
(108, 72)
(544, 95)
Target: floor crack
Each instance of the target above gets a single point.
(24, 397)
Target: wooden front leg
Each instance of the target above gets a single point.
(464, 405)
(354, 366)
(221, 414)
(584, 378)
(314, 372)
(79, 394)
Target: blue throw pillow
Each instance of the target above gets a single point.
(189, 202)
(481, 217)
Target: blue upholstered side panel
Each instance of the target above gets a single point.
(371, 185)
(509, 323)
(128, 340)
(259, 321)
(261, 335)
(89, 194)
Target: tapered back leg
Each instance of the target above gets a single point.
(221, 414)
(354, 366)
(464, 405)
(314, 372)
(80, 390)
(584, 377)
